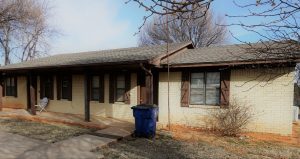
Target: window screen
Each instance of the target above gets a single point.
(120, 88)
(205, 88)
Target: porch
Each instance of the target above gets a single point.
(86, 91)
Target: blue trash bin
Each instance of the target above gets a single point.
(145, 120)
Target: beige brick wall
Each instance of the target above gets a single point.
(271, 100)
(21, 100)
(76, 106)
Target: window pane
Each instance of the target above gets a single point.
(197, 88)
(213, 78)
(121, 81)
(197, 99)
(212, 96)
(12, 81)
(95, 82)
(197, 80)
(8, 81)
(121, 78)
(120, 84)
(120, 95)
(95, 94)
(213, 88)
(65, 87)
(197, 75)
(13, 92)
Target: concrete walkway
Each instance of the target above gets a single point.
(12, 145)
(80, 147)
(16, 146)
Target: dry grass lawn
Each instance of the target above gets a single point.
(185, 143)
(41, 131)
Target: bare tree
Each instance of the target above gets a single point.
(174, 7)
(23, 29)
(201, 31)
(279, 32)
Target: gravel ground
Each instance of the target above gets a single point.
(41, 131)
(163, 147)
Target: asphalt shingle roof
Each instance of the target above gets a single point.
(222, 53)
(97, 57)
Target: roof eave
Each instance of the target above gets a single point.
(231, 63)
(74, 65)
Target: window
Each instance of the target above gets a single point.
(95, 90)
(65, 87)
(11, 86)
(205, 88)
(46, 84)
(120, 88)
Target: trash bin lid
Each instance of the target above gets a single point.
(144, 106)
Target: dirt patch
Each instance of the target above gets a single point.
(184, 142)
(41, 131)
(163, 147)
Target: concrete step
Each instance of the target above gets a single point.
(114, 133)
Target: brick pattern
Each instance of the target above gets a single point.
(76, 106)
(270, 94)
(271, 100)
(20, 101)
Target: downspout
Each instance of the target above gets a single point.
(168, 66)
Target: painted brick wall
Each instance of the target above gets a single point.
(20, 101)
(76, 106)
(271, 100)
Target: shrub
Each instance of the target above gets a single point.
(231, 121)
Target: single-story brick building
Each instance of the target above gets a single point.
(107, 83)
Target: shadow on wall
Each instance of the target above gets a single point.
(260, 77)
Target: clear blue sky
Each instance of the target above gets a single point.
(88, 25)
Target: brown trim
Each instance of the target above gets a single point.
(185, 88)
(32, 87)
(225, 88)
(138, 86)
(3, 83)
(16, 86)
(111, 88)
(70, 79)
(155, 87)
(229, 63)
(109, 64)
(1, 92)
(101, 88)
(156, 60)
(87, 84)
(127, 88)
(58, 86)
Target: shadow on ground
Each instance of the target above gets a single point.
(162, 147)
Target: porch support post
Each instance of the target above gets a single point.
(149, 88)
(1, 92)
(87, 97)
(32, 94)
(147, 93)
